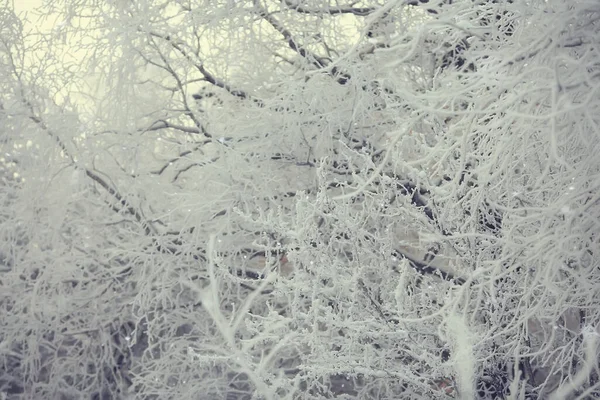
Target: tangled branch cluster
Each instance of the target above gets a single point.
(301, 200)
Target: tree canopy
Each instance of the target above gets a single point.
(258, 199)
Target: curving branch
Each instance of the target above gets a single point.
(192, 165)
(180, 86)
(207, 76)
(163, 124)
(147, 226)
(427, 269)
(339, 10)
(320, 63)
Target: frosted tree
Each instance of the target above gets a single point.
(300, 200)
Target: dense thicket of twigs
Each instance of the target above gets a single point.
(248, 199)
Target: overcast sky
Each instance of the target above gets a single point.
(26, 5)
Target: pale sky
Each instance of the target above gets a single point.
(26, 5)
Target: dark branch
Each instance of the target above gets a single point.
(208, 77)
(428, 269)
(319, 62)
(162, 124)
(148, 229)
(360, 12)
